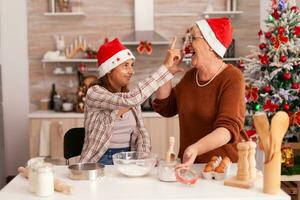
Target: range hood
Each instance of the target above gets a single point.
(144, 25)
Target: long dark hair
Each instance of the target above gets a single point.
(104, 82)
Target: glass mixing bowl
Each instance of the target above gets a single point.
(134, 163)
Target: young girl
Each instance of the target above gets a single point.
(113, 118)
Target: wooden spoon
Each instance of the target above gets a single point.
(262, 126)
(279, 126)
(170, 155)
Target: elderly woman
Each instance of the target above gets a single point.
(209, 99)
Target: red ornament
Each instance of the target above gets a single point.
(262, 46)
(259, 33)
(268, 35)
(270, 106)
(276, 41)
(251, 93)
(286, 107)
(295, 118)
(281, 30)
(267, 88)
(145, 47)
(294, 8)
(282, 58)
(295, 86)
(275, 14)
(264, 59)
(286, 76)
(296, 31)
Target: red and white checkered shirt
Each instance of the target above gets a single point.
(101, 110)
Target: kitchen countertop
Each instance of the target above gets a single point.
(53, 114)
(116, 186)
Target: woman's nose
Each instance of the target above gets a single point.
(131, 70)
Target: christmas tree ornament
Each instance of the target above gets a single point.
(282, 58)
(260, 33)
(275, 15)
(286, 107)
(295, 86)
(267, 88)
(281, 30)
(264, 59)
(297, 31)
(251, 93)
(257, 107)
(268, 35)
(286, 76)
(269, 106)
(287, 157)
(262, 46)
(281, 5)
(295, 118)
(294, 9)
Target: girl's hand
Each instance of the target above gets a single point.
(122, 111)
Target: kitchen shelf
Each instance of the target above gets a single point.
(69, 60)
(232, 14)
(64, 14)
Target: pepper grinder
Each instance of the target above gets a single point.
(251, 160)
(243, 164)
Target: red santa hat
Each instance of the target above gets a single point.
(217, 33)
(112, 54)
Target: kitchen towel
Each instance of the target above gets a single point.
(56, 140)
(44, 149)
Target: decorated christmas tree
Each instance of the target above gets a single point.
(272, 70)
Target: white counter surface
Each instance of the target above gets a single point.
(116, 186)
(53, 114)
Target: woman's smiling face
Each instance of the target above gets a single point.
(200, 48)
(121, 75)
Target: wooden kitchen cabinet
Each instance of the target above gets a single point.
(159, 128)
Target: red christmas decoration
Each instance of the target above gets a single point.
(276, 41)
(281, 30)
(267, 88)
(259, 33)
(268, 35)
(282, 58)
(297, 31)
(262, 46)
(286, 106)
(276, 15)
(295, 118)
(286, 76)
(251, 132)
(295, 86)
(269, 106)
(251, 93)
(294, 8)
(264, 59)
(145, 47)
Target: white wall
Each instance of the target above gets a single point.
(14, 82)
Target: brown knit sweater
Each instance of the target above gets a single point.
(203, 109)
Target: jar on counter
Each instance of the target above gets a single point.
(32, 165)
(166, 170)
(45, 180)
